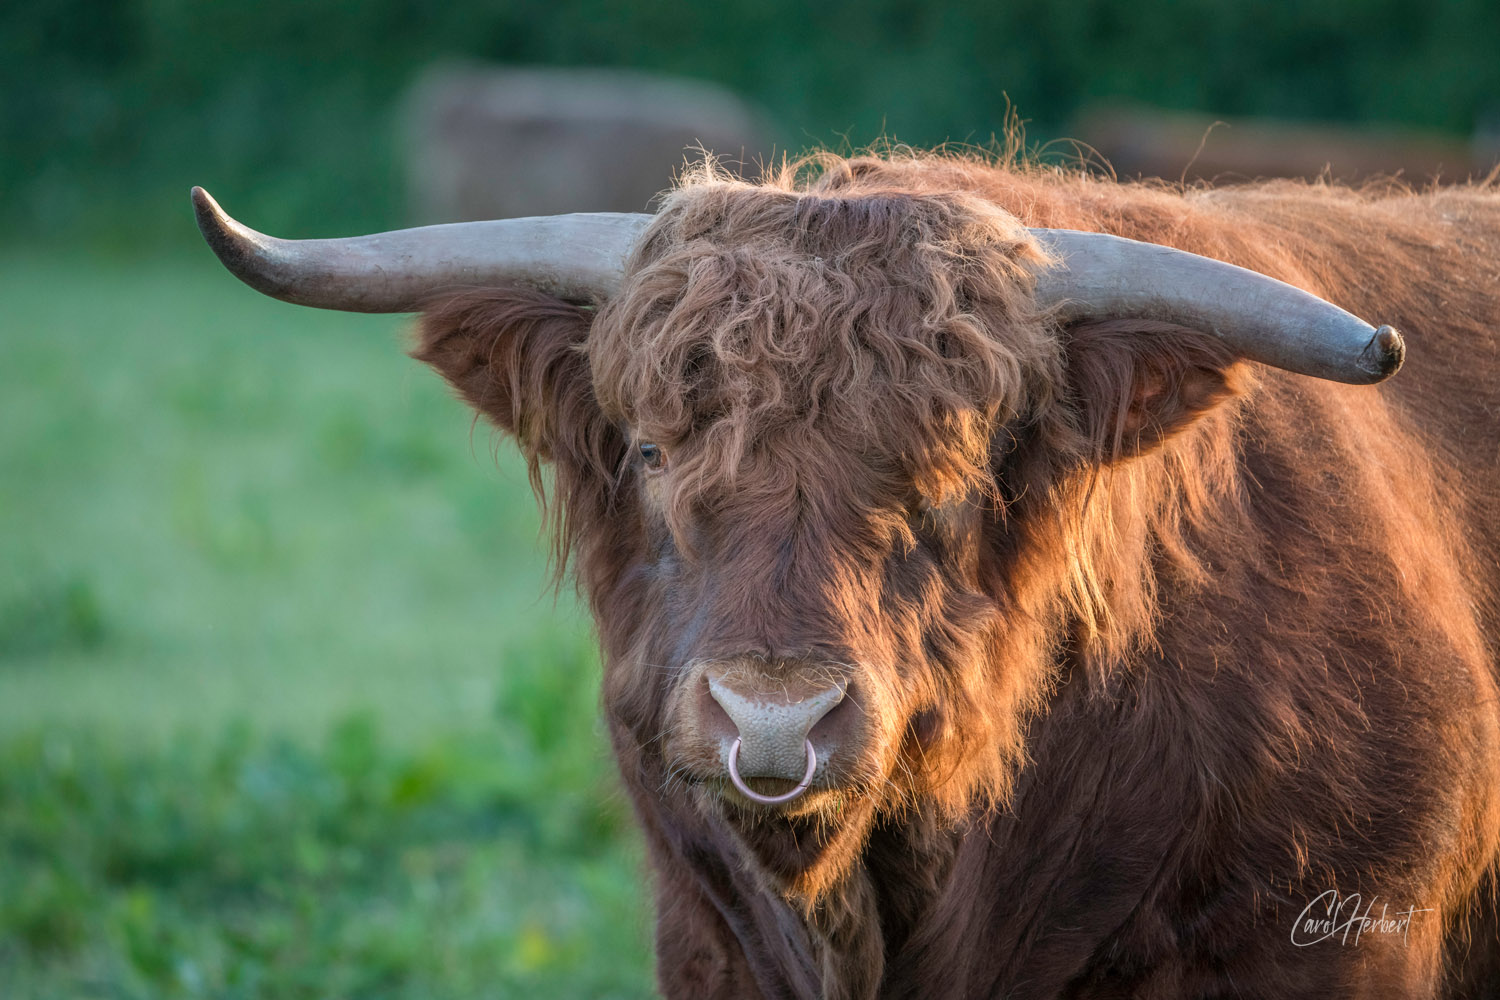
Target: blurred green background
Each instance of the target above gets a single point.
(283, 107)
(285, 707)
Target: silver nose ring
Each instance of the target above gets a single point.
(770, 800)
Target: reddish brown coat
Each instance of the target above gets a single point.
(1156, 648)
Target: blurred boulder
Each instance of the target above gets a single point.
(488, 143)
(1139, 141)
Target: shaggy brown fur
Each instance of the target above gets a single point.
(1153, 648)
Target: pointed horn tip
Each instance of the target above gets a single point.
(225, 237)
(237, 247)
(212, 222)
(206, 209)
(1384, 354)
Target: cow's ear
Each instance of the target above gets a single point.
(1138, 384)
(515, 355)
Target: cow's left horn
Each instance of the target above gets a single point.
(576, 257)
(1110, 277)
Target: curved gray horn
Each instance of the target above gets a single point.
(1110, 277)
(576, 257)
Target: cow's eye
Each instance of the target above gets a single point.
(653, 456)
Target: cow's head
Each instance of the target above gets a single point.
(789, 425)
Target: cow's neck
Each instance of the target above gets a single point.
(904, 921)
(853, 929)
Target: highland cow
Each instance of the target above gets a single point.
(1001, 594)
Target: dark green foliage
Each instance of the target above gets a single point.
(112, 108)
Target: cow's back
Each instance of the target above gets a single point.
(1427, 263)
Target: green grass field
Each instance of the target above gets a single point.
(286, 709)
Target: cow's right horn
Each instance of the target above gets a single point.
(580, 258)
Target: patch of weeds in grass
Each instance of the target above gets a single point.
(247, 866)
(51, 616)
(252, 509)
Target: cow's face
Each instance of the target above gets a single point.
(780, 453)
(808, 390)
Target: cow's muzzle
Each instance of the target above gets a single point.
(770, 800)
(771, 728)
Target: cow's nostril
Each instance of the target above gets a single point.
(831, 728)
(713, 721)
